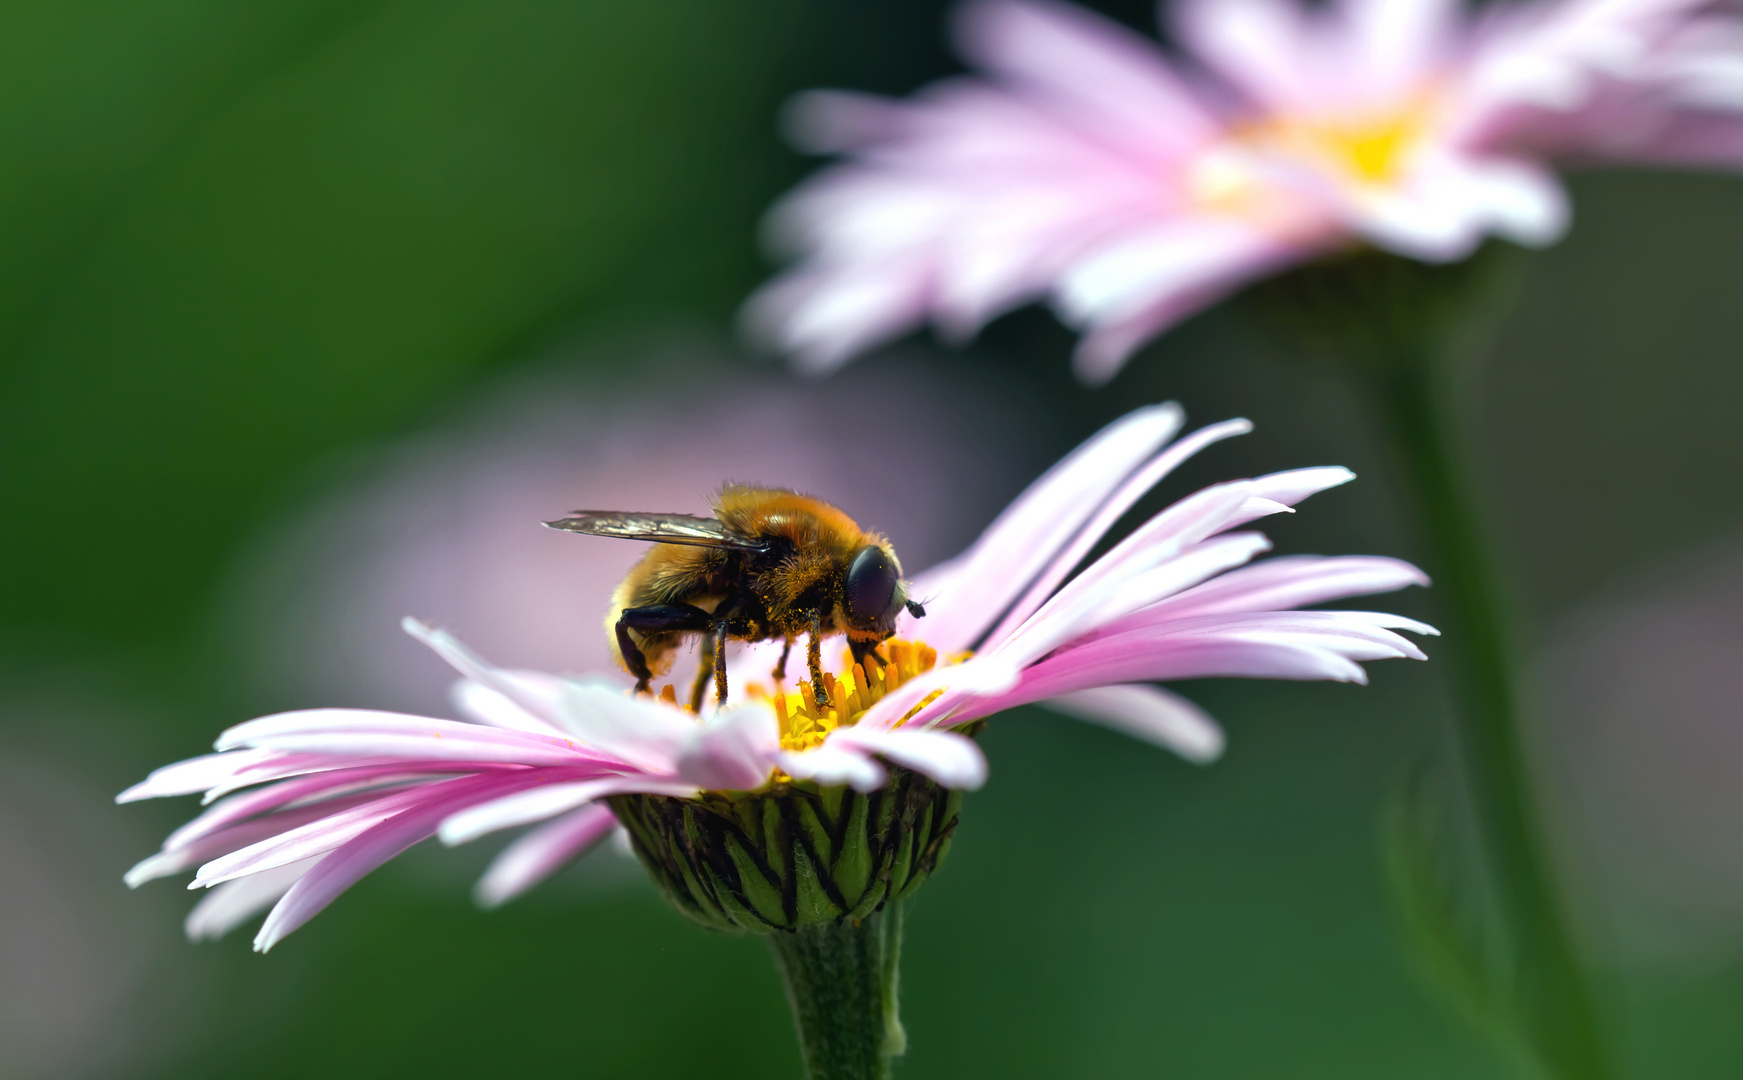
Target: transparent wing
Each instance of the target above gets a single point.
(656, 528)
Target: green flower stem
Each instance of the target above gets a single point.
(1550, 988)
(841, 982)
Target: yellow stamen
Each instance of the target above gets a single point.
(804, 724)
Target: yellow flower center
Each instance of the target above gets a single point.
(1369, 150)
(1236, 175)
(804, 722)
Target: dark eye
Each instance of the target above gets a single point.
(871, 586)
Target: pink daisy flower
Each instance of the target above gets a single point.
(1128, 187)
(304, 804)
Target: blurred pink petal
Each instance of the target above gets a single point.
(542, 852)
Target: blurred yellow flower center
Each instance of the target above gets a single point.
(1370, 151)
(1239, 174)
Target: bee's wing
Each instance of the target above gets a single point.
(657, 528)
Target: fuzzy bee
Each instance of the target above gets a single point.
(771, 564)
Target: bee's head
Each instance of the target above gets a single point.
(873, 592)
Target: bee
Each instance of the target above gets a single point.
(771, 564)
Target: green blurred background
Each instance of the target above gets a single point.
(245, 242)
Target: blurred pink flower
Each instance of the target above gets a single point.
(333, 793)
(1129, 188)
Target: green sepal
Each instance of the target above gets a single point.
(816, 833)
(832, 798)
(735, 909)
(868, 903)
(763, 895)
(812, 902)
(774, 838)
(853, 866)
(901, 865)
(701, 904)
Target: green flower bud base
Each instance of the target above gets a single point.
(795, 855)
(821, 872)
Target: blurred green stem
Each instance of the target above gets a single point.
(841, 982)
(1550, 987)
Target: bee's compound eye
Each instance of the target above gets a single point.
(871, 586)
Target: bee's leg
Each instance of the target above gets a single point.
(814, 658)
(654, 619)
(706, 655)
(863, 649)
(780, 672)
(719, 668)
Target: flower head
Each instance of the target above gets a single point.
(1129, 188)
(740, 812)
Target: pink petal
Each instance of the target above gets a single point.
(1365, 635)
(951, 759)
(523, 807)
(362, 733)
(1099, 74)
(542, 852)
(482, 705)
(732, 751)
(190, 853)
(1107, 343)
(834, 765)
(1068, 612)
(1108, 515)
(1293, 581)
(1130, 658)
(534, 695)
(642, 731)
(309, 764)
(301, 788)
(233, 903)
(1174, 256)
(200, 773)
(1294, 485)
(1258, 45)
(1149, 713)
(1028, 536)
(824, 316)
(309, 838)
(346, 865)
(1114, 597)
